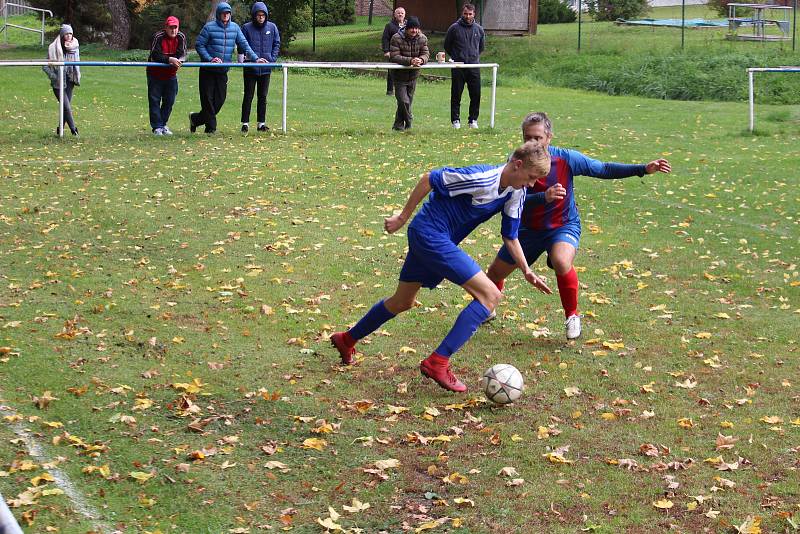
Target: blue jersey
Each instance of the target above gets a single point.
(463, 198)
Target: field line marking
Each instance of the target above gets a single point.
(62, 480)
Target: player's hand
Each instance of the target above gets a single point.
(659, 165)
(216, 60)
(416, 62)
(386, 54)
(175, 62)
(537, 282)
(554, 192)
(261, 60)
(393, 223)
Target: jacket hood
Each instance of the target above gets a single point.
(259, 6)
(223, 7)
(463, 22)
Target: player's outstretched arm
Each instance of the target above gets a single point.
(515, 249)
(658, 165)
(420, 191)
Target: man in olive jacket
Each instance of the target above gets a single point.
(409, 48)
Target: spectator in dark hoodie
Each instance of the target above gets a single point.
(168, 47)
(264, 39)
(464, 43)
(397, 24)
(215, 44)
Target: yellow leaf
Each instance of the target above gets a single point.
(358, 506)
(391, 463)
(429, 525)
(140, 476)
(315, 443)
(612, 345)
(663, 504)
(722, 315)
(328, 524)
(751, 525)
(464, 502)
(52, 491)
(572, 391)
(703, 335)
(44, 477)
(685, 422)
(608, 416)
(772, 420)
(556, 458)
(408, 350)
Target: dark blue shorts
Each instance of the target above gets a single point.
(432, 257)
(535, 242)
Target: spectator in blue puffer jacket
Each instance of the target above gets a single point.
(264, 39)
(216, 44)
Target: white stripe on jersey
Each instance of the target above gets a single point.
(482, 186)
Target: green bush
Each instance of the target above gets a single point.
(555, 11)
(335, 12)
(612, 10)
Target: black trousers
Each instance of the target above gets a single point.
(472, 79)
(68, 87)
(213, 91)
(404, 94)
(389, 84)
(251, 83)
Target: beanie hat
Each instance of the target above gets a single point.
(65, 29)
(412, 22)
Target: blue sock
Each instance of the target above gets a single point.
(466, 324)
(374, 318)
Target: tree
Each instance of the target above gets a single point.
(120, 25)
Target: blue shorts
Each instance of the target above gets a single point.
(432, 257)
(534, 242)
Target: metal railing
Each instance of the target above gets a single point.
(21, 7)
(283, 66)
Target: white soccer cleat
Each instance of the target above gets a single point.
(166, 131)
(456, 125)
(491, 317)
(573, 325)
(473, 125)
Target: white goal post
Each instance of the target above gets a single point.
(750, 73)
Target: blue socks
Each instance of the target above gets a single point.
(465, 326)
(373, 319)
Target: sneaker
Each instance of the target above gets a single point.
(346, 352)
(75, 132)
(573, 325)
(192, 126)
(437, 368)
(158, 131)
(166, 131)
(457, 125)
(473, 124)
(263, 127)
(398, 127)
(245, 127)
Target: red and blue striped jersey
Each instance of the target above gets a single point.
(566, 164)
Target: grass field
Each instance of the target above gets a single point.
(166, 304)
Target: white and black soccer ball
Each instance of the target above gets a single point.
(502, 383)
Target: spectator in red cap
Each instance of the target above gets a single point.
(168, 47)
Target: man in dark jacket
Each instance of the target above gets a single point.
(168, 47)
(216, 44)
(264, 39)
(395, 25)
(409, 48)
(464, 43)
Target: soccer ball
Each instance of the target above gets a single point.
(502, 383)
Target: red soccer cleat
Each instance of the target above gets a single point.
(346, 350)
(437, 368)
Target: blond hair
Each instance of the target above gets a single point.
(535, 156)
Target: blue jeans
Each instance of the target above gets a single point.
(161, 95)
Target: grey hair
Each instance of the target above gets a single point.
(538, 117)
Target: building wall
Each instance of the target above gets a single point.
(506, 15)
(380, 8)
